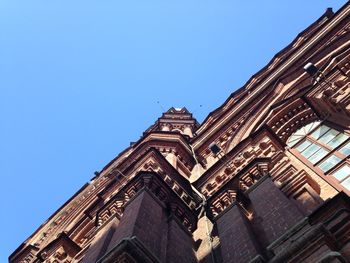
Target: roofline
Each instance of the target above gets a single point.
(328, 14)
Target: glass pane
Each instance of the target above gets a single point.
(311, 126)
(343, 172)
(304, 145)
(345, 149)
(330, 162)
(346, 183)
(328, 136)
(293, 139)
(310, 150)
(338, 140)
(301, 133)
(319, 131)
(318, 155)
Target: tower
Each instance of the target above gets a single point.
(265, 178)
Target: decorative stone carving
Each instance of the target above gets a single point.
(288, 119)
(60, 250)
(176, 120)
(114, 207)
(223, 201)
(232, 163)
(331, 92)
(233, 190)
(159, 188)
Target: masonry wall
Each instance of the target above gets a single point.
(101, 241)
(180, 244)
(273, 212)
(151, 222)
(145, 218)
(250, 127)
(237, 241)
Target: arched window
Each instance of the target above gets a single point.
(326, 148)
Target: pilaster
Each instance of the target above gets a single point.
(155, 224)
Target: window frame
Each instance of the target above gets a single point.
(327, 175)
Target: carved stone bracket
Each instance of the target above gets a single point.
(154, 183)
(114, 207)
(153, 161)
(62, 249)
(222, 201)
(264, 145)
(253, 174)
(233, 190)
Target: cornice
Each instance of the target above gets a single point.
(158, 139)
(61, 219)
(235, 190)
(260, 144)
(204, 133)
(162, 191)
(60, 248)
(174, 116)
(153, 161)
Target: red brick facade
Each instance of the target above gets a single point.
(265, 177)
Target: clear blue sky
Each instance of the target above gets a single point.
(80, 79)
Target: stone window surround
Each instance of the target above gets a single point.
(326, 175)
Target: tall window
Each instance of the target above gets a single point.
(326, 148)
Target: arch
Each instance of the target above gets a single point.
(300, 133)
(326, 149)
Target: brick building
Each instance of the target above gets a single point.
(265, 177)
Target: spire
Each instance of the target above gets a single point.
(176, 120)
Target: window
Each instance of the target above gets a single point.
(343, 176)
(330, 162)
(326, 148)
